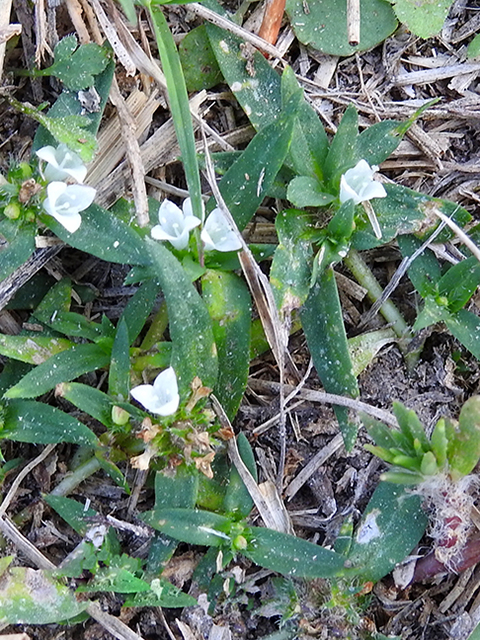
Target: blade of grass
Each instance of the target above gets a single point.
(179, 105)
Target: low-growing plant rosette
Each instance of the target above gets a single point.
(440, 467)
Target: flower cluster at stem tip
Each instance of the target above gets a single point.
(64, 201)
(357, 184)
(175, 225)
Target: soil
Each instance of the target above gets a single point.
(439, 156)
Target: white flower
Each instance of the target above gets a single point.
(175, 224)
(357, 184)
(161, 397)
(218, 235)
(62, 163)
(64, 201)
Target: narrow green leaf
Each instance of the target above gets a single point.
(411, 425)
(291, 267)
(89, 400)
(179, 105)
(322, 323)
(237, 501)
(377, 546)
(290, 555)
(72, 511)
(30, 596)
(307, 191)
(460, 283)
(193, 346)
(58, 299)
(343, 152)
(179, 492)
(162, 594)
(190, 525)
(249, 179)
(465, 327)
(378, 141)
(228, 302)
(30, 421)
(20, 245)
(32, 349)
(198, 60)
(103, 235)
(62, 367)
(139, 307)
(464, 448)
(119, 372)
(115, 579)
(425, 271)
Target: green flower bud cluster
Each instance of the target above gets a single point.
(453, 448)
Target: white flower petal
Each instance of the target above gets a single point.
(64, 202)
(357, 184)
(62, 163)
(218, 235)
(162, 397)
(174, 225)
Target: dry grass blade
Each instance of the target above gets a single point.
(110, 31)
(276, 332)
(467, 241)
(272, 516)
(134, 155)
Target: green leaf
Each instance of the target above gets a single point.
(377, 546)
(190, 525)
(425, 271)
(237, 501)
(20, 245)
(378, 141)
(179, 492)
(460, 283)
(72, 511)
(246, 183)
(57, 300)
(89, 400)
(324, 330)
(198, 60)
(305, 191)
(228, 302)
(69, 104)
(115, 579)
(464, 448)
(162, 594)
(62, 367)
(259, 95)
(411, 426)
(290, 555)
(465, 327)
(424, 18)
(119, 372)
(179, 105)
(104, 236)
(309, 146)
(323, 24)
(29, 596)
(139, 308)
(291, 267)
(76, 67)
(473, 51)
(343, 153)
(32, 349)
(30, 421)
(193, 346)
(73, 324)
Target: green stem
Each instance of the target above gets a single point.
(81, 473)
(389, 311)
